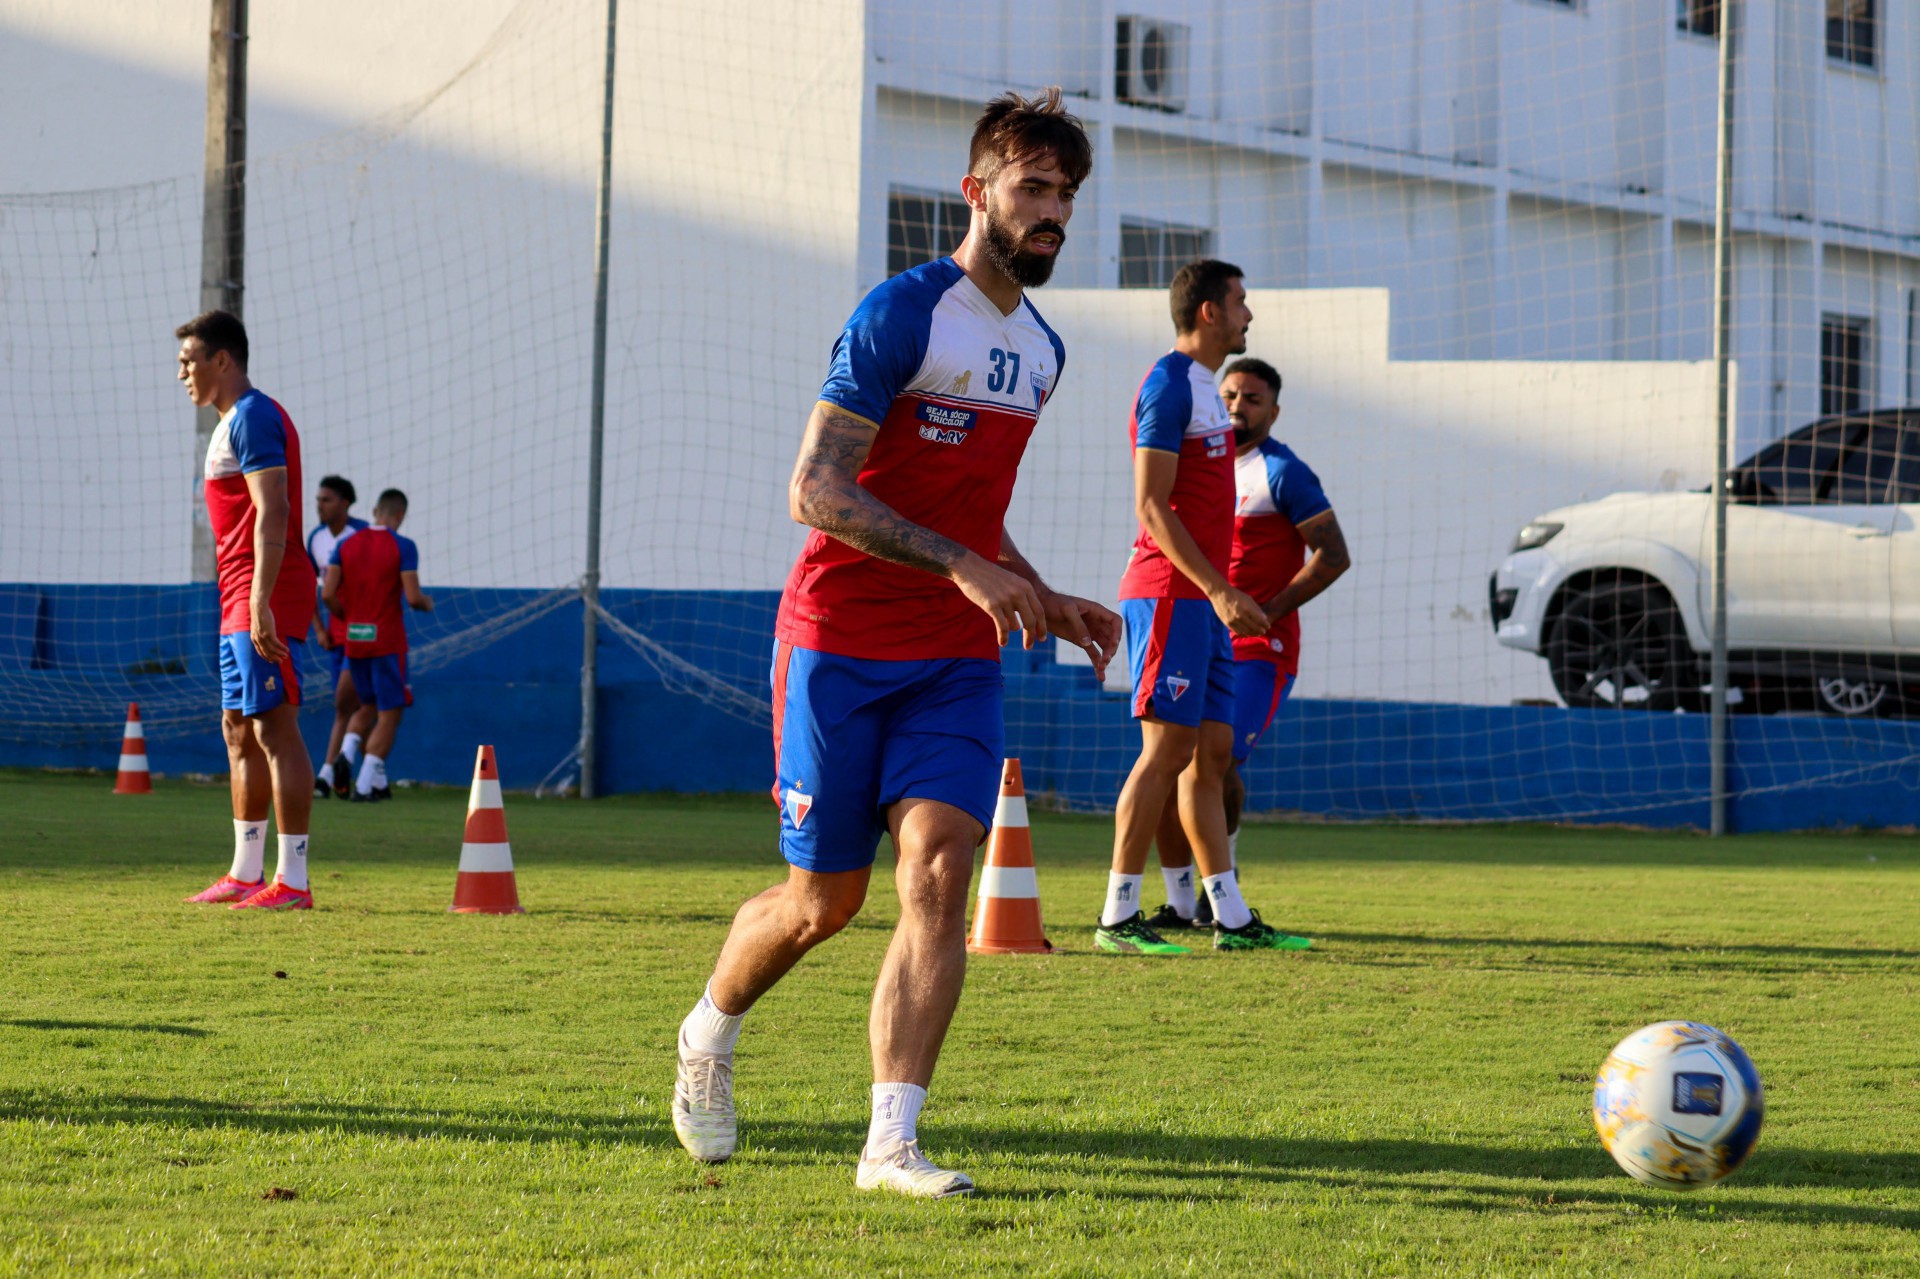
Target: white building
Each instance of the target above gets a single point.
(1532, 179)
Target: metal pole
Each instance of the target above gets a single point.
(223, 218)
(596, 440)
(1722, 349)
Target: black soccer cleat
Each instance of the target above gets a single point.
(1168, 917)
(373, 796)
(342, 777)
(321, 790)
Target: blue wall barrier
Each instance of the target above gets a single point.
(71, 656)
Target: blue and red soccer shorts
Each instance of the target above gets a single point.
(1260, 688)
(854, 736)
(381, 682)
(1181, 656)
(252, 685)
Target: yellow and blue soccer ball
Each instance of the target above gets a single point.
(1678, 1105)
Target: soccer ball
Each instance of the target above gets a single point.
(1678, 1105)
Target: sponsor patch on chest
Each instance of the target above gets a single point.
(944, 423)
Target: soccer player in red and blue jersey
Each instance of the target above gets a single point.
(368, 575)
(887, 700)
(1281, 513)
(351, 720)
(266, 606)
(1182, 614)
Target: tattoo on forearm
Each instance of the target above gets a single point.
(833, 501)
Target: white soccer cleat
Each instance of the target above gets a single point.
(903, 1169)
(703, 1115)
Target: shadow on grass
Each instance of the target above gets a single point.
(1570, 952)
(1433, 1174)
(139, 1027)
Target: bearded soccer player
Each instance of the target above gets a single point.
(368, 575)
(351, 719)
(266, 606)
(1182, 614)
(887, 701)
(1280, 514)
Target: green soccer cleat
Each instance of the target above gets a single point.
(1255, 935)
(1134, 936)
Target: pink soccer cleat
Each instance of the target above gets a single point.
(227, 889)
(277, 896)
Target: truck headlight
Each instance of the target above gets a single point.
(1538, 533)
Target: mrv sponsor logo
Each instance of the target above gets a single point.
(943, 424)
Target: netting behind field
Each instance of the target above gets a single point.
(1479, 242)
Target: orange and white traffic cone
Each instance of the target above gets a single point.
(486, 886)
(134, 779)
(1008, 919)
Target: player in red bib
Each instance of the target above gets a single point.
(1281, 513)
(886, 676)
(368, 575)
(1182, 614)
(266, 606)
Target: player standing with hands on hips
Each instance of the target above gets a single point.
(266, 606)
(1182, 614)
(887, 697)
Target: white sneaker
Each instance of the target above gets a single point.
(903, 1168)
(703, 1116)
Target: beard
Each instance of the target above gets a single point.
(1002, 245)
(1242, 433)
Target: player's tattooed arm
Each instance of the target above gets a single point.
(825, 493)
(1329, 560)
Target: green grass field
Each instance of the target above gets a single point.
(475, 1095)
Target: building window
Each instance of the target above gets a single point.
(1150, 252)
(922, 226)
(1700, 17)
(1843, 364)
(1851, 31)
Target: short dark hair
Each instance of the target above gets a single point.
(1254, 368)
(1013, 128)
(342, 487)
(390, 500)
(1197, 282)
(218, 331)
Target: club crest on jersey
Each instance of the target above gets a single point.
(798, 806)
(1038, 381)
(1177, 685)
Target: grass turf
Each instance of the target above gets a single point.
(477, 1095)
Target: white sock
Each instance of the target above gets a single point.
(1229, 909)
(1179, 890)
(708, 1030)
(350, 747)
(293, 861)
(896, 1115)
(249, 850)
(1233, 848)
(373, 774)
(1123, 898)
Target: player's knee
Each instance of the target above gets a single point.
(237, 734)
(936, 886)
(818, 916)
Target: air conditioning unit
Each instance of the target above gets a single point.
(1150, 62)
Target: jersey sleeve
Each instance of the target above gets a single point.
(409, 554)
(318, 567)
(333, 556)
(1296, 492)
(879, 351)
(1162, 411)
(259, 435)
